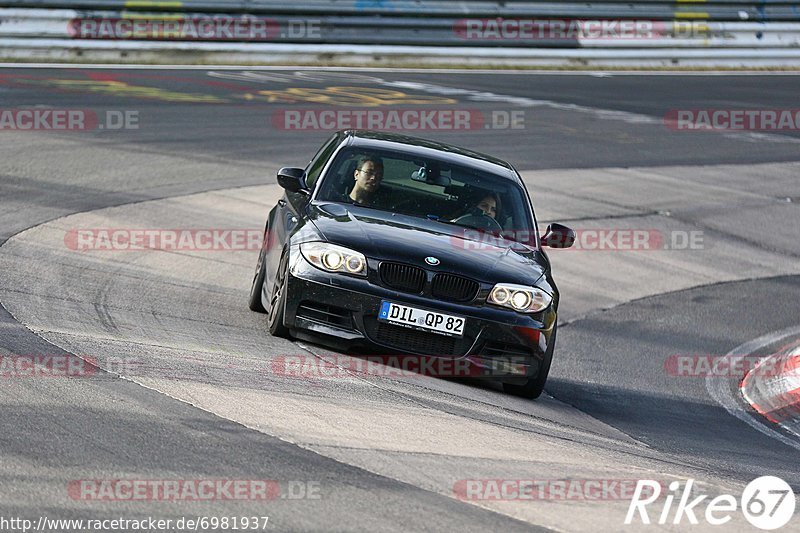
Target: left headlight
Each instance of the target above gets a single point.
(333, 258)
(520, 298)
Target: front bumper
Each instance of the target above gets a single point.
(342, 311)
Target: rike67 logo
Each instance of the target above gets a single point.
(767, 502)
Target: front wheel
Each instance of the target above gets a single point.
(534, 387)
(277, 304)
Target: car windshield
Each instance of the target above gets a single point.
(436, 190)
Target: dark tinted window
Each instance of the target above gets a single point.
(433, 189)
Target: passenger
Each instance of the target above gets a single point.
(488, 204)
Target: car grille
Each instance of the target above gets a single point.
(454, 288)
(327, 314)
(415, 340)
(402, 277)
(497, 349)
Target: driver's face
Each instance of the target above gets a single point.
(489, 206)
(369, 176)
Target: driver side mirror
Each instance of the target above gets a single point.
(558, 236)
(293, 180)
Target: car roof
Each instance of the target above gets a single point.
(429, 148)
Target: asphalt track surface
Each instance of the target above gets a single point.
(595, 153)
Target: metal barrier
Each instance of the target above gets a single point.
(508, 27)
(727, 10)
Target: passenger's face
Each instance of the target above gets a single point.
(489, 206)
(369, 177)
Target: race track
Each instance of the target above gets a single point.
(191, 385)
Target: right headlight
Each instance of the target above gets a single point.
(334, 258)
(520, 298)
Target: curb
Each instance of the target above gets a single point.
(772, 388)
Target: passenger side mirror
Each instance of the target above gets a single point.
(558, 236)
(293, 180)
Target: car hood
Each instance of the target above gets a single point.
(394, 237)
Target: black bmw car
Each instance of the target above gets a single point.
(387, 243)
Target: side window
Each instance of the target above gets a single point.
(318, 163)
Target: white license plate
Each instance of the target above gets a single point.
(422, 319)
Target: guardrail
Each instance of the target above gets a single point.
(508, 27)
(771, 10)
(563, 33)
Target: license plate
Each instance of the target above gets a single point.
(422, 319)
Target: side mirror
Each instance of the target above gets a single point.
(558, 236)
(293, 179)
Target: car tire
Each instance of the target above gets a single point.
(278, 300)
(534, 387)
(254, 301)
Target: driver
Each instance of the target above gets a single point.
(368, 176)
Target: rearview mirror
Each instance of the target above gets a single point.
(558, 236)
(293, 179)
(431, 176)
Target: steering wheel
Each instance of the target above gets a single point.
(481, 222)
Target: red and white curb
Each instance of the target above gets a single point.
(772, 388)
